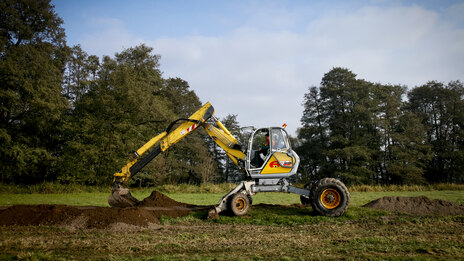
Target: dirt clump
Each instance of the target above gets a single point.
(157, 199)
(150, 210)
(418, 206)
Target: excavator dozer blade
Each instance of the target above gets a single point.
(122, 198)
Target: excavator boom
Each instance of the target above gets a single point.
(177, 130)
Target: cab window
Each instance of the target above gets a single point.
(279, 140)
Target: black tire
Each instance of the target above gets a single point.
(239, 204)
(330, 197)
(250, 199)
(305, 201)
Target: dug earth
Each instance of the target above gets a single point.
(417, 206)
(147, 213)
(152, 208)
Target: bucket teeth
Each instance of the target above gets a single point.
(122, 198)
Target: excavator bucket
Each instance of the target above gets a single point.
(122, 198)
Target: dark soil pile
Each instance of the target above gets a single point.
(419, 206)
(148, 212)
(157, 199)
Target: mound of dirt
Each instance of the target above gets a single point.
(157, 199)
(148, 212)
(419, 206)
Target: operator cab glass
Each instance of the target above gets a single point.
(279, 140)
(265, 143)
(259, 147)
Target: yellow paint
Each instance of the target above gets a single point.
(180, 132)
(330, 198)
(165, 140)
(276, 164)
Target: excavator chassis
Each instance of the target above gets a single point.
(328, 196)
(252, 187)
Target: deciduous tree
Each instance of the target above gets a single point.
(32, 59)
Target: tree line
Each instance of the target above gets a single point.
(70, 117)
(371, 133)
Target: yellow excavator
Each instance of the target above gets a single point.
(268, 161)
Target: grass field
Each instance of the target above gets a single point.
(281, 232)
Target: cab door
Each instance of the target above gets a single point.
(281, 159)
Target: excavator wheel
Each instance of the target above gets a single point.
(330, 197)
(239, 204)
(122, 198)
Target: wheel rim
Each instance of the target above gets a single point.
(330, 198)
(240, 204)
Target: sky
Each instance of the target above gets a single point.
(257, 59)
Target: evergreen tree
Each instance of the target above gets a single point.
(358, 131)
(352, 136)
(404, 149)
(314, 137)
(232, 172)
(440, 109)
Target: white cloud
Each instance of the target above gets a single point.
(246, 73)
(108, 37)
(262, 74)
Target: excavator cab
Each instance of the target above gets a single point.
(270, 155)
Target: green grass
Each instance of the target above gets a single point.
(56, 188)
(396, 188)
(361, 198)
(73, 199)
(374, 236)
(279, 232)
(100, 198)
(282, 212)
(357, 198)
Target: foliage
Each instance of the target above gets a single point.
(32, 57)
(441, 111)
(124, 105)
(70, 117)
(365, 133)
(231, 172)
(73, 118)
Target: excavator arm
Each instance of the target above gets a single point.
(121, 197)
